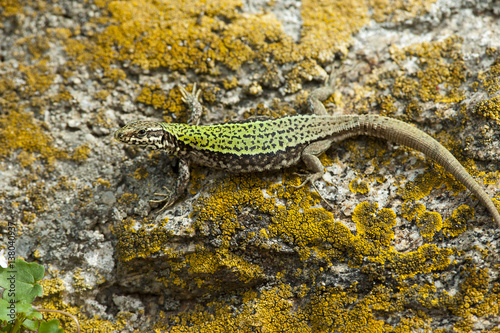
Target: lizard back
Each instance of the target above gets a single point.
(256, 144)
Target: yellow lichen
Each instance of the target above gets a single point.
(19, 130)
(359, 186)
(54, 298)
(374, 226)
(429, 223)
(81, 153)
(457, 222)
(10, 8)
(140, 173)
(441, 74)
(489, 109)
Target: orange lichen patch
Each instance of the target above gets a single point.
(140, 173)
(426, 259)
(28, 217)
(175, 36)
(421, 186)
(411, 210)
(342, 310)
(37, 45)
(316, 239)
(221, 209)
(81, 153)
(152, 95)
(475, 297)
(128, 198)
(102, 95)
(19, 130)
(217, 262)
(491, 178)
(337, 309)
(271, 311)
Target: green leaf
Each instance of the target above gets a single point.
(20, 281)
(51, 326)
(6, 309)
(7, 328)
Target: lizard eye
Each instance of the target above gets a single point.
(141, 132)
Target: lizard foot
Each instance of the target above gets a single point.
(189, 97)
(311, 178)
(165, 203)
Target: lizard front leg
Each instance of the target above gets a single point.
(319, 95)
(196, 109)
(180, 187)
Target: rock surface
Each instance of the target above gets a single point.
(400, 252)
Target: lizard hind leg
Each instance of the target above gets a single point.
(313, 164)
(319, 95)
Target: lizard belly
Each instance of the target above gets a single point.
(246, 162)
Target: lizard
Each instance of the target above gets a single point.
(262, 144)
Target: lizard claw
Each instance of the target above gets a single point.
(191, 97)
(167, 202)
(311, 178)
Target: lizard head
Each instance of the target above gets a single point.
(147, 134)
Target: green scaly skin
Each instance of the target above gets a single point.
(262, 144)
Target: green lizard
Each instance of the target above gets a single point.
(262, 144)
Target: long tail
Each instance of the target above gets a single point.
(405, 134)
